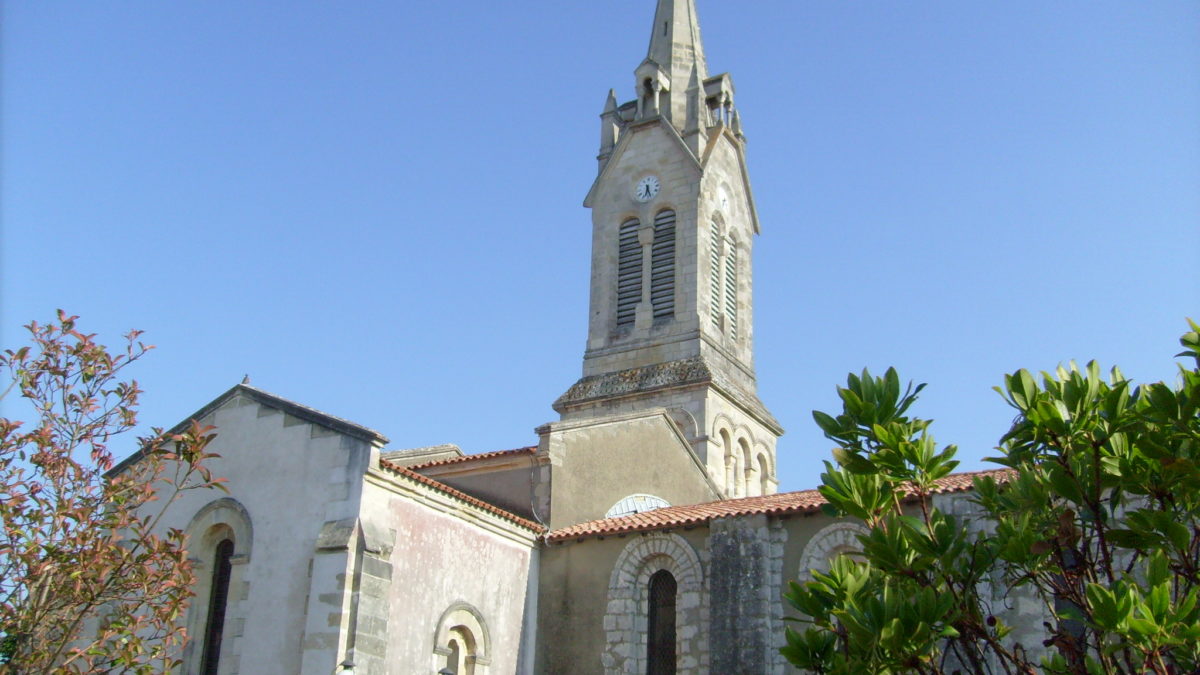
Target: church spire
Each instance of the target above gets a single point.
(675, 40)
(675, 53)
(671, 314)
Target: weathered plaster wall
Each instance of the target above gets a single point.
(510, 489)
(573, 602)
(598, 462)
(443, 559)
(290, 477)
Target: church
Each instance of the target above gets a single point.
(640, 532)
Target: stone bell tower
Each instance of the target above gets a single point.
(670, 323)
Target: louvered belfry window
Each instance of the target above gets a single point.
(629, 272)
(217, 600)
(662, 265)
(714, 258)
(660, 638)
(731, 313)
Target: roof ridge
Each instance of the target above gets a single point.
(461, 496)
(313, 415)
(478, 456)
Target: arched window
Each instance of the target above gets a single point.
(662, 265)
(220, 539)
(732, 464)
(463, 653)
(461, 643)
(638, 503)
(660, 638)
(747, 476)
(764, 474)
(629, 272)
(214, 627)
(633, 597)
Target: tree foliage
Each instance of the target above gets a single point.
(87, 584)
(1095, 521)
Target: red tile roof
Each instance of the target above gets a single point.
(474, 458)
(804, 501)
(460, 495)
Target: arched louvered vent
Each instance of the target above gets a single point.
(629, 272)
(636, 504)
(662, 265)
(714, 258)
(731, 313)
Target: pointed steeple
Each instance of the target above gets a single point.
(671, 314)
(675, 40)
(676, 49)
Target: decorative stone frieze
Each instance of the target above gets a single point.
(634, 380)
(680, 373)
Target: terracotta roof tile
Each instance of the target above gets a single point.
(474, 458)
(460, 495)
(804, 501)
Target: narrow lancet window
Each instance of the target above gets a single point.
(629, 272)
(660, 640)
(218, 599)
(662, 266)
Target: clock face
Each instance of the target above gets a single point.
(646, 189)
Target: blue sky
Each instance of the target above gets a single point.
(374, 208)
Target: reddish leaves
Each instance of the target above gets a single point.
(88, 581)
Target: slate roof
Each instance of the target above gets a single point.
(463, 459)
(783, 503)
(461, 496)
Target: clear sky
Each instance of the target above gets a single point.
(374, 208)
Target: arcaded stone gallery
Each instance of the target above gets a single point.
(640, 532)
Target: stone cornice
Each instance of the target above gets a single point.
(685, 373)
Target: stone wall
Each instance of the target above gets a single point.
(743, 570)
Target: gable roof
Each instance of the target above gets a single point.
(460, 495)
(297, 410)
(783, 503)
(623, 143)
(466, 459)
